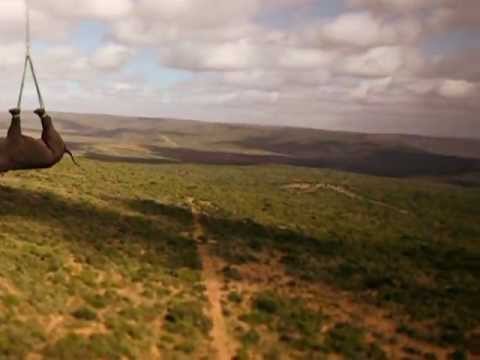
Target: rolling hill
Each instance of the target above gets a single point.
(111, 138)
(164, 244)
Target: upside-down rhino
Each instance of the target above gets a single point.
(20, 152)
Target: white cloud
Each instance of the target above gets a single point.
(244, 64)
(306, 58)
(111, 56)
(381, 61)
(436, 15)
(233, 55)
(197, 13)
(11, 54)
(346, 30)
(363, 30)
(254, 79)
(456, 88)
(225, 56)
(105, 9)
(369, 89)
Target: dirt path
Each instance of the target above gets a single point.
(169, 141)
(222, 343)
(342, 191)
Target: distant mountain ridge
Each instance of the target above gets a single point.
(110, 137)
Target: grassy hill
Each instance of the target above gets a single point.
(179, 261)
(184, 239)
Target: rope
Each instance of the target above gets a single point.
(27, 27)
(29, 63)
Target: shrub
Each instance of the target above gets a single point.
(85, 313)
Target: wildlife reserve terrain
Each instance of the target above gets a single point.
(189, 240)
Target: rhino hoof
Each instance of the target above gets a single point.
(15, 111)
(40, 112)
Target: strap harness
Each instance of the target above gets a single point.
(29, 63)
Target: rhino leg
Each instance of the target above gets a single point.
(15, 129)
(50, 136)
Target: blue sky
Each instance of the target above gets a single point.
(88, 35)
(285, 18)
(363, 65)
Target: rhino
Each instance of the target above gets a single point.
(20, 152)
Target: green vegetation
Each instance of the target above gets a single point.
(298, 331)
(187, 318)
(348, 340)
(294, 325)
(85, 314)
(100, 262)
(420, 255)
(78, 347)
(235, 297)
(82, 272)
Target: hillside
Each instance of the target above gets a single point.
(165, 245)
(139, 261)
(149, 140)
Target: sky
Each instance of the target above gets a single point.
(393, 66)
